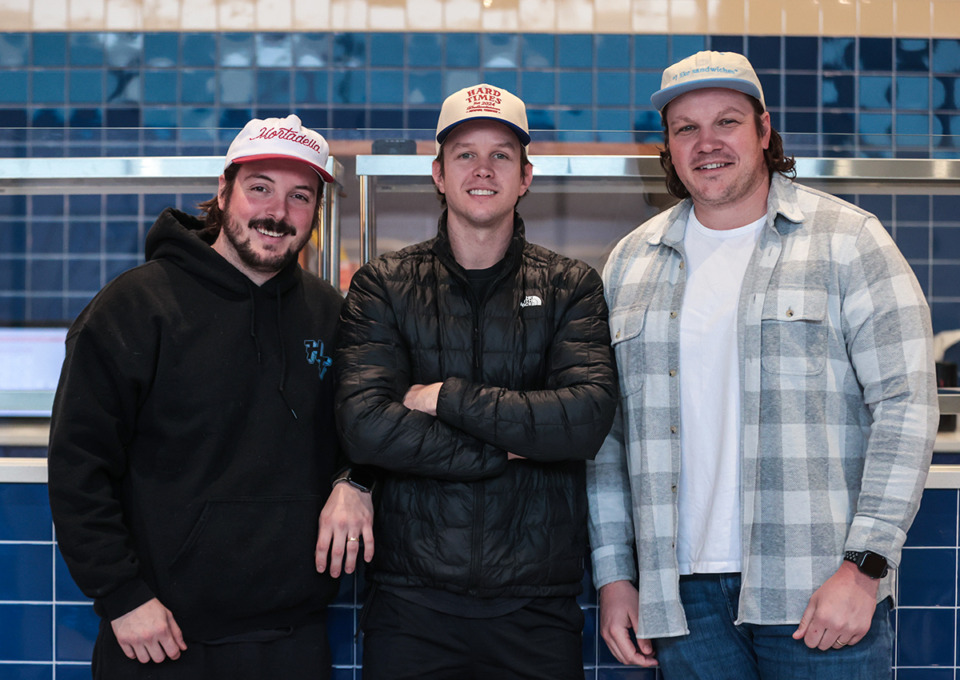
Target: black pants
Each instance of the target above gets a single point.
(304, 654)
(402, 640)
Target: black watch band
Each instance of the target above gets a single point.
(358, 478)
(868, 562)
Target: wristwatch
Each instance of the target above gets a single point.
(869, 563)
(359, 478)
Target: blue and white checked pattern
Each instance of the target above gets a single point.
(839, 406)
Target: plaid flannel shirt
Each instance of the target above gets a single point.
(839, 407)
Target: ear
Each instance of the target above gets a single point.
(221, 187)
(765, 126)
(527, 172)
(438, 176)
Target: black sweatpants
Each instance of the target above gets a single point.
(403, 640)
(304, 654)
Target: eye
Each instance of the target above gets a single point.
(301, 197)
(500, 156)
(465, 155)
(683, 129)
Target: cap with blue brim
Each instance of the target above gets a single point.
(727, 70)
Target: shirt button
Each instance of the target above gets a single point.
(673, 315)
(673, 488)
(673, 429)
(789, 312)
(673, 372)
(618, 335)
(681, 265)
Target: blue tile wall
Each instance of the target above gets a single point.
(91, 94)
(51, 627)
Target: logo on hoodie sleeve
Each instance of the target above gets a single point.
(316, 357)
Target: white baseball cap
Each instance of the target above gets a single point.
(483, 102)
(280, 138)
(708, 69)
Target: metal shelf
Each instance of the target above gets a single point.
(617, 174)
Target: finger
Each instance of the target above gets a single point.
(337, 552)
(801, 630)
(128, 651)
(176, 633)
(368, 542)
(825, 641)
(350, 556)
(324, 536)
(169, 646)
(156, 651)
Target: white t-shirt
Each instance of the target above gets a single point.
(709, 494)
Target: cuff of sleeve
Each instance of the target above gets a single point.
(448, 407)
(868, 533)
(124, 599)
(613, 563)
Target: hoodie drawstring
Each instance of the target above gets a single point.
(283, 358)
(283, 351)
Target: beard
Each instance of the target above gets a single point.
(262, 260)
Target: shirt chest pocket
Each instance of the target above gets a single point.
(794, 332)
(625, 330)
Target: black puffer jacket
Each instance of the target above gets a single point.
(528, 370)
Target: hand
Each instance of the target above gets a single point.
(513, 456)
(619, 615)
(423, 398)
(841, 611)
(347, 516)
(149, 633)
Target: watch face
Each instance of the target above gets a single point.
(873, 565)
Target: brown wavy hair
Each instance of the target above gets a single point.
(773, 155)
(213, 216)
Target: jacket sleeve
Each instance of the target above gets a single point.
(373, 368)
(886, 323)
(94, 413)
(571, 415)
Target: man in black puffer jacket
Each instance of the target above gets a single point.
(475, 370)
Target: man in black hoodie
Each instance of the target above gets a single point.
(193, 445)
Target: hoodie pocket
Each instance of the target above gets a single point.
(247, 556)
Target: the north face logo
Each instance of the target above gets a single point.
(531, 301)
(315, 356)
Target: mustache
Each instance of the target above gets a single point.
(270, 224)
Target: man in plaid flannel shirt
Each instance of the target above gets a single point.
(778, 409)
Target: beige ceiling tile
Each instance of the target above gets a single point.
(84, 15)
(235, 15)
(311, 15)
(800, 17)
(348, 15)
(16, 15)
(612, 16)
(876, 18)
(538, 16)
(839, 17)
(500, 15)
(461, 15)
(946, 18)
(912, 19)
(274, 15)
(688, 16)
(727, 17)
(651, 16)
(575, 16)
(763, 18)
(199, 15)
(124, 15)
(425, 15)
(161, 15)
(387, 15)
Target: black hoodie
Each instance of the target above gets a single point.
(192, 441)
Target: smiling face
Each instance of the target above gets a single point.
(481, 175)
(268, 216)
(717, 152)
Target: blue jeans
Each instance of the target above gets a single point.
(716, 649)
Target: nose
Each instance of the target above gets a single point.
(708, 140)
(483, 168)
(276, 207)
